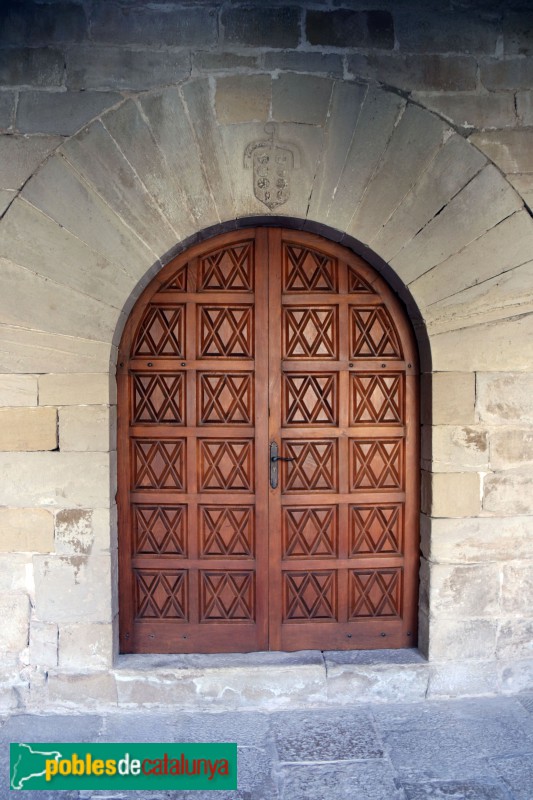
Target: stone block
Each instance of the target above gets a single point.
(476, 540)
(482, 204)
(508, 73)
(51, 247)
(502, 248)
(73, 532)
(518, 32)
(449, 494)
(428, 31)
(464, 590)
(524, 107)
(524, 186)
(504, 398)
(515, 639)
(6, 198)
(517, 676)
(447, 448)
(460, 680)
(35, 351)
(87, 428)
(301, 99)
(77, 389)
(7, 110)
(26, 530)
(511, 150)
(517, 588)
(59, 480)
(185, 26)
(88, 689)
(481, 111)
(28, 429)
(510, 447)
(327, 63)
(243, 98)
(462, 640)
(86, 646)
(16, 573)
(209, 61)
(15, 616)
(350, 683)
(43, 644)
(18, 390)
(448, 398)
(60, 112)
(349, 28)
(21, 155)
(25, 66)
(37, 24)
(104, 527)
(71, 589)
(422, 72)
(508, 492)
(120, 68)
(262, 27)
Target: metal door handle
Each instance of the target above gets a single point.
(280, 458)
(274, 458)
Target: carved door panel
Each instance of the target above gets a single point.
(256, 340)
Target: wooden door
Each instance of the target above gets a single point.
(268, 488)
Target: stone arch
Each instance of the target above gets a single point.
(114, 202)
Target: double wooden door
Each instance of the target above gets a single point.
(267, 453)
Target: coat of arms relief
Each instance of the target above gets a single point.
(273, 162)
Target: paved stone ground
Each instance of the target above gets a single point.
(474, 749)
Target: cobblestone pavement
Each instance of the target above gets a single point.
(473, 749)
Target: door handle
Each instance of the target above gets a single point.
(274, 458)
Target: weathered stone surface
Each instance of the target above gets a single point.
(518, 32)
(508, 492)
(459, 640)
(16, 573)
(26, 530)
(86, 646)
(453, 166)
(21, 155)
(348, 28)
(456, 680)
(262, 27)
(506, 246)
(60, 112)
(18, 390)
(486, 347)
(6, 198)
(119, 68)
(43, 644)
(524, 107)
(416, 73)
(524, 186)
(510, 447)
(515, 639)
(25, 23)
(104, 527)
(36, 351)
(327, 63)
(447, 448)
(476, 540)
(31, 301)
(448, 398)
(7, 110)
(28, 429)
(87, 428)
(503, 398)
(354, 683)
(464, 590)
(508, 73)
(373, 777)
(481, 111)
(517, 774)
(297, 98)
(51, 247)
(517, 588)
(76, 389)
(73, 588)
(209, 61)
(449, 494)
(512, 151)
(159, 25)
(483, 203)
(320, 735)
(25, 66)
(243, 98)
(55, 479)
(73, 532)
(80, 210)
(15, 616)
(95, 155)
(427, 31)
(64, 690)
(517, 676)
(412, 147)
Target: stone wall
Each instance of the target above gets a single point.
(124, 128)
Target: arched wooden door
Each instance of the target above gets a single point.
(268, 453)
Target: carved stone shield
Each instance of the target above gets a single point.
(272, 163)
